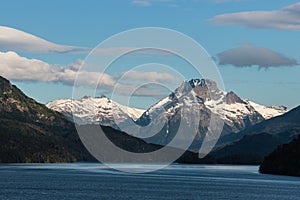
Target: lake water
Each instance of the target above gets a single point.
(96, 181)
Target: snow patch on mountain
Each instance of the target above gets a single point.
(236, 112)
(89, 110)
(200, 95)
(268, 111)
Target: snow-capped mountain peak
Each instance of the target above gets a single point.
(199, 99)
(195, 82)
(99, 110)
(237, 113)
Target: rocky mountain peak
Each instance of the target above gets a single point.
(86, 97)
(204, 88)
(195, 82)
(232, 98)
(183, 89)
(203, 83)
(200, 95)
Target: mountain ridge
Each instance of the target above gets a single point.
(32, 133)
(201, 95)
(260, 140)
(98, 110)
(284, 160)
(204, 95)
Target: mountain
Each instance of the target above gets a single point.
(204, 97)
(164, 118)
(284, 160)
(251, 149)
(137, 145)
(277, 124)
(30, 132)
(100, 110)
(261, 139)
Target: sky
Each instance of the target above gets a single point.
(44, 46)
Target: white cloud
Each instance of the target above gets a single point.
(147, 3)
(149, 76)
(248, 55)
(141, 3)
(149, 90)
(22, 69)
(226, 1)
(19, 41)
(15, 40)
(287, 18)
(75, 66)
(146, 83)
(114, 50)
(85, 78)
(18, 68)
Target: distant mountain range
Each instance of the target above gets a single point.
(205, 97)
(199, 95)
(31, 132)
(99, 110)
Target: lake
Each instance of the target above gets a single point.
(177, 181)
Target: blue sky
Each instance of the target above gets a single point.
(257, 52)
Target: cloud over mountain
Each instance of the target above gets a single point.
(18, 68)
